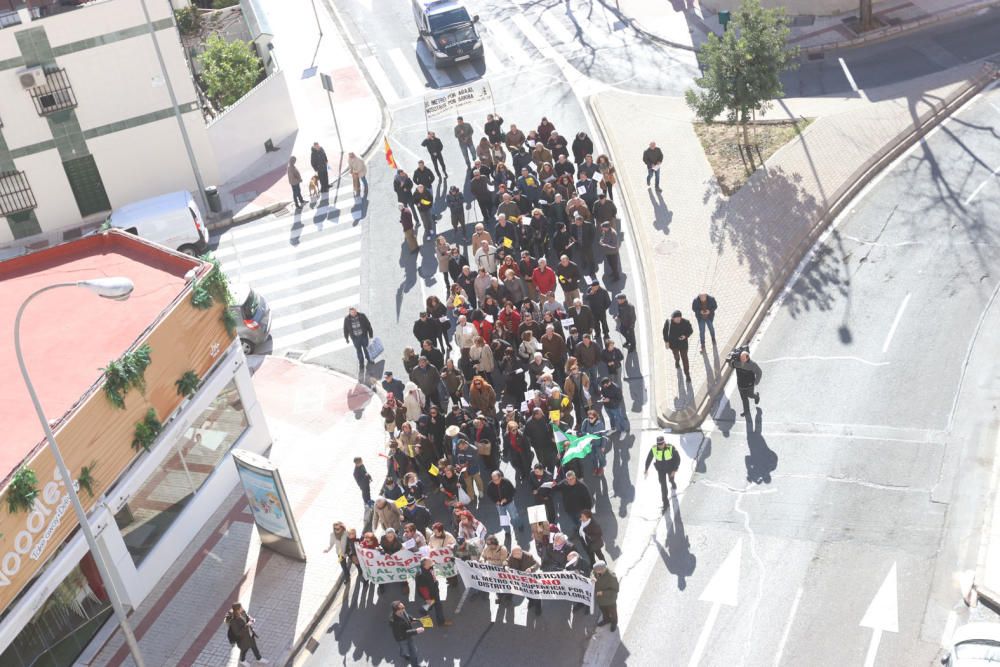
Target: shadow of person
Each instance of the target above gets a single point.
(705, 453)
(676, 552)
(710, 376)
(685, 392)
(725, 415)
(761, 461)
(662, 216)
(296, 230)
(621, 481)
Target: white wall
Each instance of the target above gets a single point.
(238, 135)
(137, 583)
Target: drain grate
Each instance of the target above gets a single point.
(816, 56)
(295, 354)
(803, 20)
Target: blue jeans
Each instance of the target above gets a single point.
(616, 418)
(510, 509)
(361, 347)
(408, 650)
(701, 330)
(597, 455)
(468, 147)
(650, 173)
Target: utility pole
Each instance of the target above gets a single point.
(865, 15)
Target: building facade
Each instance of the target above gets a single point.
(86, 121)
(144, 506)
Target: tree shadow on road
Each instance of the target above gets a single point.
(761, 461)
(676, 552)
(771, 214)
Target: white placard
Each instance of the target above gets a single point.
(447, 103)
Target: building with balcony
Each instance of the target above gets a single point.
(145, 506)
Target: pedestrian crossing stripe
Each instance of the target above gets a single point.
(307, 278)
(314, 239)
(284, 321)
(321, 291)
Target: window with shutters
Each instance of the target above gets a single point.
(55, 94)
(15, 193)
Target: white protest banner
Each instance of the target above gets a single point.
(380, 568)
(447, 103)
(571, 586)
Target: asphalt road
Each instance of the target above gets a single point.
(394, 286)
(926, 52)
(871, 449)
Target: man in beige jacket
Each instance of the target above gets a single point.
(359, 173)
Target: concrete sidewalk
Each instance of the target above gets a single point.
(742, 249)
(262, 188)
(320, 420)
(685, 24)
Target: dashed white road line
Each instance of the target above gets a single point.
(850, 80)
(895, 323)
(381, 79)
(816, 357)
(410, 76)
(788, 627)
(982, 185)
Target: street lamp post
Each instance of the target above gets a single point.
(109, 288)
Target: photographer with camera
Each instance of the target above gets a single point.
(748, 375)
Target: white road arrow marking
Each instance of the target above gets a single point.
(882, 615)
(721, 590)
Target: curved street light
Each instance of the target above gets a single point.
(119, 289)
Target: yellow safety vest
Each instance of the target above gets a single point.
(663, 454)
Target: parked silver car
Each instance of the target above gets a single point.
(253, 317)
(974, 644)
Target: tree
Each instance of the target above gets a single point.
(742, 69)
(229, 69)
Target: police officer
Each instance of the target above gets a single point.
(667, 460)
(748, 376)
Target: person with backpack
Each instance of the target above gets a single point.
(241, 634)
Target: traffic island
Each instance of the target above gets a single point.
(742, 249)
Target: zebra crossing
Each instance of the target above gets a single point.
(306, 265)
(519, 40)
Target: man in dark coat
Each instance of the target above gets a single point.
(463, 133)
(393, 386)
(434, 146)
(358, 330)
(479, 186)
(626, 321)
(403, 186)
(575, 498)
(404, 627)
(538, 431)
(426, 328)
(652, 157)
(427, 588)
(422, 175)
(427, 377)
(676, 332)
(748, 375)
(319, 164)
(598, 300)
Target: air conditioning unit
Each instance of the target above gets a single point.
(31, 77)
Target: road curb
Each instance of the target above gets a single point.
(690, 418)
(288, 656)
(891, 32)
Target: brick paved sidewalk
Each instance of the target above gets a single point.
(320, 421)
(685, 24)
(263, 186)
(692, 238)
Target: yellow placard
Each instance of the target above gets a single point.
(426, 622)
(433, 470)
(508, 242)
(457, 302)
(529, 181)
(565, 401)
(554, 415)
(425, 202)
(402, 502)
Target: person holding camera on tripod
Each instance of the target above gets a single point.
(748, 376)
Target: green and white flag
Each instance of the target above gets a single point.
(576, 446)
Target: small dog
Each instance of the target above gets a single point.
(314, 186)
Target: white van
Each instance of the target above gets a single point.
(173, 220)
